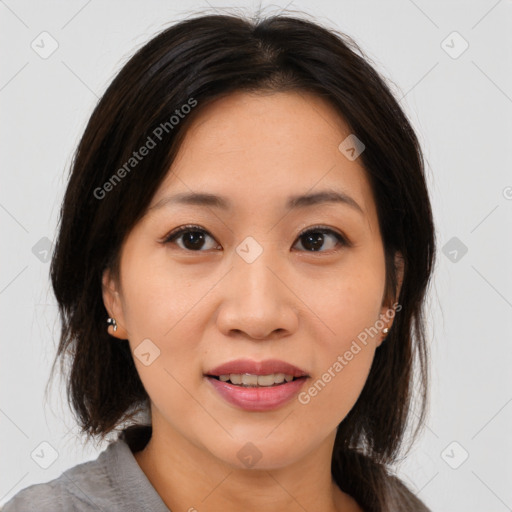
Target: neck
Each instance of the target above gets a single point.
(188, 477)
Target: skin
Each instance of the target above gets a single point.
(205, 307)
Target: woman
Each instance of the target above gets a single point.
(245, 246)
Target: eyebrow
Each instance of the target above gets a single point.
(293, 202)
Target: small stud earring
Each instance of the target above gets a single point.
(113, 323)
(385, 330)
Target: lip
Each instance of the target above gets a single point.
(257, 399)
(262, 398)
(266, 367)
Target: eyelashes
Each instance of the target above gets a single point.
(179, 232)
(312, 239)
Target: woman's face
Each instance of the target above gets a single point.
(255, 279)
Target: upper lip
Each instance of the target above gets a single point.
(266, 367)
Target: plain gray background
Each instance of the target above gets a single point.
(458, 99)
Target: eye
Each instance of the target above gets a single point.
(315, 238)
(193, 238)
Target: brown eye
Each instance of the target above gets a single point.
(314, 239)
(192, 238)
(317, 239)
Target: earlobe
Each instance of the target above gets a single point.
(114, 323)
(390, 307)
(383, 334)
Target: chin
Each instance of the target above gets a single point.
(258, 454)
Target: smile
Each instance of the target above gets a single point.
(256, 397)
(252, 380)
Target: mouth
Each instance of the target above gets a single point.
(247, 380)
(256, 373)
(256, 386)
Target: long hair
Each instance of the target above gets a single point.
(195, 62)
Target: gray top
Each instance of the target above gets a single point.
(113, 482)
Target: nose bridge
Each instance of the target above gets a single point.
(254, 266)
(256, 301)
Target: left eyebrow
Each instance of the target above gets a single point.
(293, 202)
(325, 196)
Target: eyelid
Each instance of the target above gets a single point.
(342, 239)
(180, 229)
(175, 233)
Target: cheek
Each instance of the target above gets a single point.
(348, 305)
(349, 308)
(158, 298)
(162, 312)
(333, 391)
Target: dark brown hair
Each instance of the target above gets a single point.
(205, 58)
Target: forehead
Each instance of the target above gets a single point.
(261, 147)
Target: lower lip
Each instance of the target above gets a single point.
(257, 399)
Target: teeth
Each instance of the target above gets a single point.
(235, 379)
(278, 378)
(247, 379)
(263, 380)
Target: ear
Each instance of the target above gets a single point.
(113, 305)
(390, 306)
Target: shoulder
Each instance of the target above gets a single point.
(84, 487)
(45, 497)
(113, 481)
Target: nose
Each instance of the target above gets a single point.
(257, 301)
